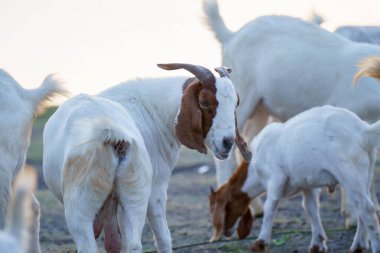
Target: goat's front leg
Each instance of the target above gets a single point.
(274, 195)
(310, 204)
(157, 218)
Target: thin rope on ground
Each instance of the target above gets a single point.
(286, 232)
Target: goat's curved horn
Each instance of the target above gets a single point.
(204, 75)
(223, 71)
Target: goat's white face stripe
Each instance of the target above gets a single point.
(223, 125)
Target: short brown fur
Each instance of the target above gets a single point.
(229, 203)
(198, 108)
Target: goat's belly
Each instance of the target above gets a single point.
(311, 181)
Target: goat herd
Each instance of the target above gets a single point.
(108, 158)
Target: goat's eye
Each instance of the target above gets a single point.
(204, 103)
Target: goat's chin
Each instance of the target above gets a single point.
(219, 153)
(221, 156)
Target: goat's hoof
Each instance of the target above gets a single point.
(316, 249)
(259, 246)
(357, 250)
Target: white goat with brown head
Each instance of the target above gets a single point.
(321, 147)
(198, 112)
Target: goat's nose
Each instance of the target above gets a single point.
(227, 143)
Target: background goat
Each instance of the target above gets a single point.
(18, 108)
(320, 147)
(284, 66)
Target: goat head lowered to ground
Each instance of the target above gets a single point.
(321, 147)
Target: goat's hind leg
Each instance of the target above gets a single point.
(132, 220)
(310, 204)
(367, 214)
(82, 203)
(80, 211)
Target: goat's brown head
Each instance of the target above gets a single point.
(207, 114)
(229, 206)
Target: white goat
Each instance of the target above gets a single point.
(284, 66)
(21, 230)
(320, 147)
(196, 112)
(94, 162)
(363, 34)
(18, 108)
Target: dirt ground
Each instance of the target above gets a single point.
(189, 221)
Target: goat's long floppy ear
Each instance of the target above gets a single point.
(245, 225)
(189, 119)
(218, 218)
(241, 144)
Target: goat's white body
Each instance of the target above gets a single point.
(85, 128)
(320, 147)
(364, 34)
(153, 105)
(283, 66)
(18, 107)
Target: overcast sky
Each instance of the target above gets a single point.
(94, 44)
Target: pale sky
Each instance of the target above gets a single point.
(94, 44)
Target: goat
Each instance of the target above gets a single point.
(321, 147)
(21, 231)
(18, 108)
(284, 66)
(94, 162)
(198, 112)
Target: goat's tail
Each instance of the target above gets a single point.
(21, 210)
(99, 131)
(215, 22)
(369, 67)
(40, 96)
(100, 145)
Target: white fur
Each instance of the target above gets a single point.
(18, 108)
(320, 147)
(84, 129)
(154, 104)
(364, 34)
(283, 66)
(21, 232)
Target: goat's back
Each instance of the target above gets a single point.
(319, 140)
(294, 65)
